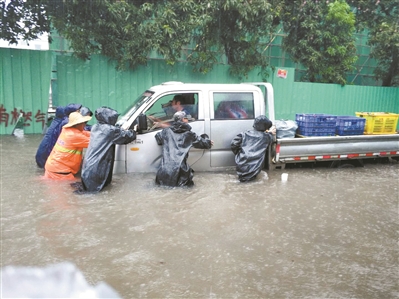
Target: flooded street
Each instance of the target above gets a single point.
(325, 233)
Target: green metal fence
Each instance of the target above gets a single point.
(363, 73)
(24, 88)
(300, 97)
(97, 83)
(26, 76)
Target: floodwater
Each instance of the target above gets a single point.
(324, 233)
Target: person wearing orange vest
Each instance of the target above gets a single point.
(66, 157)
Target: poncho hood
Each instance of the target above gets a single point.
(106, 115)
(180, 127)
(262, 123)
(71, 108)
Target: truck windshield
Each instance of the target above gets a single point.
(127, 114)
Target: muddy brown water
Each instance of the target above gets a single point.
(325, 233)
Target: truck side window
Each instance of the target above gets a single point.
(190, 104)
(160, 114)
(229, 105)
(160, 109)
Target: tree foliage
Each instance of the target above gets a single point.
(385, 42)
(381, 19)
(237, 29)
(127, 31)
(319, 32)
(22, 19)
(320, 37)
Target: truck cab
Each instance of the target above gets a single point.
(219, 110)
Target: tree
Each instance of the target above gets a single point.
(319, 33)
(385, 42)
(239, 30)
(381, 19)
(320, 36)
(127, 31)
(22, 19)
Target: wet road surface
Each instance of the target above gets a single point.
(325, 233)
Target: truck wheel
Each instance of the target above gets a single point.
(347, 164)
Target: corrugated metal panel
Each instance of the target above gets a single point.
(24, 88)
(25, 78)
(102, 84)
(96, 83)
(301, 97)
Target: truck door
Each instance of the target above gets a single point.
(231, 113)
(144, 154)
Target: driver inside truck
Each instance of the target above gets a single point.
(177, 104)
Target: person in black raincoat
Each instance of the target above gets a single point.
(50, 138)
(99, 159)
(176, 142)
(249, 148)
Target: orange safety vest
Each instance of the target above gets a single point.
(66, 157)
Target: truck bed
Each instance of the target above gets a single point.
(307, 149)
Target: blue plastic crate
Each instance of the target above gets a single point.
(315, 118)
(316, 124)
(310, 124)
(346, 132)
(350, 125)
(328, 131)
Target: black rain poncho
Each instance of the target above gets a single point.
(249, 148)
(99, 159)
(50, 138)
(176, 142)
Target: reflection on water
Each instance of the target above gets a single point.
(324, 233)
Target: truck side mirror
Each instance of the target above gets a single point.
(142, 122)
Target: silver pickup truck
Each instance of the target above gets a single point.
(222, 111)
(219, 110)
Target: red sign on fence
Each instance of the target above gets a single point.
(282, 73)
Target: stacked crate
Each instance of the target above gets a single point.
(379, 122)
(350, 125)
(316, 124)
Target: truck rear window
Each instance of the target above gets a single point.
(233, 105)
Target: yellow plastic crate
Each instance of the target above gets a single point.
(379, 122)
